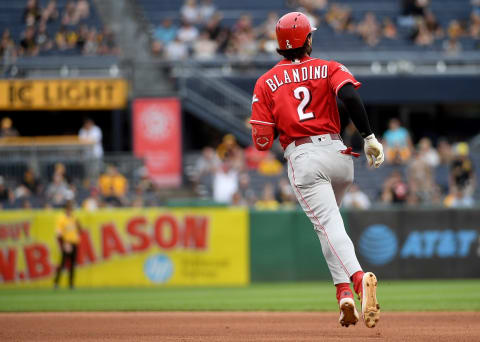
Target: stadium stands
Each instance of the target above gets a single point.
(13, 18)
(327, 39)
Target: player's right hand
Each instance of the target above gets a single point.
(374, 151)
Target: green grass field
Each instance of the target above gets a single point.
(432, 295)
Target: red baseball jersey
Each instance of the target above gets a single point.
(299, 98)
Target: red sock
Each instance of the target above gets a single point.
(343, 290)
(357, 281)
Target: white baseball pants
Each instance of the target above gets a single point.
(320, 176)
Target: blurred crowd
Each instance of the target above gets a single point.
(92, 186)
(417, 184)
(426, 30)
(201, 32)
(421, 174)
(73, 35)
(237, 176)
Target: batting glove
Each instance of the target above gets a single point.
(373, 151)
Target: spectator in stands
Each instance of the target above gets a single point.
(60, 169)
(285, 193)
(82, 11)
(43, 40)
(28, 44)
(91, 45)
(218, 33)
(474, 25)
(113, 186)
(50, 13)
(369, 29)
(459, 199)
(7, 129)
(356, 198)
(225, 182)
(8, 52)
(69, 14)
(204, 48)
(340, 18)
(82, 37)
(267, 201)
(427, 153)
(58, 192)
(432, 25)
(30, 184)
(395, 189)
(190, 12)
(93, 134)
(107, 43)
(243, 43)
(270, 166)
(421, 181)
(31, 12)
(398, 144)
(267, 35)
(253, 157)
(208, 162)
(166, 32)
(452, 47)
(238, 200)
(444, 151)
(176, 50)
(187, 33)
(247, 195)
(6, 195)
(229, 148)
(462, 173)
(206, 10)
(455, 29)
(422, 36)
(61, 38)
(92, 202)
(389, 30)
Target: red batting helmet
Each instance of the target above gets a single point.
(292, 30)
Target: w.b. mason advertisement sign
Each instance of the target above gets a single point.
(63, 94)
(410, 243)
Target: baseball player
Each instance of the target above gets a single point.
(296, 101)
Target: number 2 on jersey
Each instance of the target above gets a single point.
(303, 94)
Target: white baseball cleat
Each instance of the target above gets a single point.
(348, 312)
(370, 307)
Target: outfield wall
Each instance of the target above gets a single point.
(233, 246)
(130, 247)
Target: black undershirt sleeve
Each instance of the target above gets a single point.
(355, 109)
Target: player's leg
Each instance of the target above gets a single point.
(73, 262)
(315, 194)
(310, 172)
(59, 269)
(365, 284)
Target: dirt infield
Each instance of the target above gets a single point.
(235, 326)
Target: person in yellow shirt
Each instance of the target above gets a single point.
(113, 186)
(270, 166)
(68, 234)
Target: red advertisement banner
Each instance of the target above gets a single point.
(157, 137)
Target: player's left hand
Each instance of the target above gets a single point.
(373, 151)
